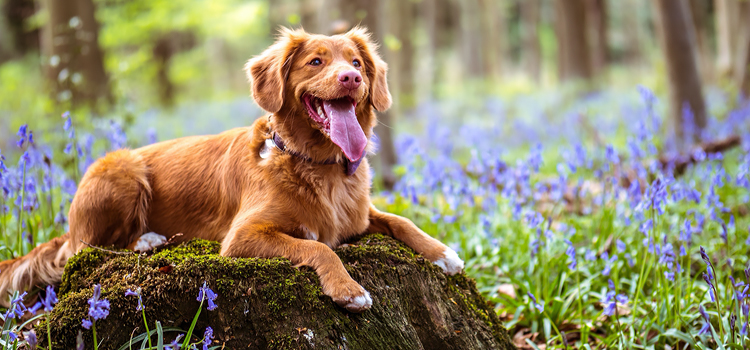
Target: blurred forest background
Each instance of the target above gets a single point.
(174, 67)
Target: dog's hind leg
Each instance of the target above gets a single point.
(109, 209)
(111, 205)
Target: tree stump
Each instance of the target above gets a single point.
(269, 304)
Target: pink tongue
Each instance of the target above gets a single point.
(345, 130)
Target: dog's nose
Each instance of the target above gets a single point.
(350, 79)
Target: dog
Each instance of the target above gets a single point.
(294, 184)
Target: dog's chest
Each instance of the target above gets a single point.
(337, 212)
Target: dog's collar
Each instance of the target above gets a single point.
(349, 167)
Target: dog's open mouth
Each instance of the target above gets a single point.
(338, 121)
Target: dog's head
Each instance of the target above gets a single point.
(321, 90)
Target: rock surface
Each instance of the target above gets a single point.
(269, 304)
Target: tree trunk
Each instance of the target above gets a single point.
(678, 45)
(471, 39)
(269, 304)
(742, 71)
(429, 15)
(402, 26)
(631, 30)
(700, 13)
(531, 52)
(596, 15)
(73, 58)
(494, 33)
(574, 58)
(727, 20)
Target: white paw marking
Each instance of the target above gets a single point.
(359, 303)
(149, 241)
(309, 234)
(450, 262)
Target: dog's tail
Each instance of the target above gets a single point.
(42, 266)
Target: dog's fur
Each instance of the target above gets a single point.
(220, 188)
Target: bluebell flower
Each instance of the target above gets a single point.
(608, 264)
(16, 309)
(611, 155)
(206, 293)
(86, 323)
(646, 227)
(98, 309)
(538, 306)
(137, 293)
(208, 336)
(534, 219)
(175, 344)
(30, 338)
(620, 246)
(706, 321)
(571, 253)
(50, 299)
(22, 135)
(590, 255)
(12, 336)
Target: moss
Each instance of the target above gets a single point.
(267, 303)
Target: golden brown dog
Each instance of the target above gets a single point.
(294, 184)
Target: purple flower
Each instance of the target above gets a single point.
(608, 264)
(137, 293)
(30, 337)
(707, 321)
(537, 305)
(175, 344)
(571, 253)
(534, 219)
(50, 299)
(646, 227)
(621, 246)
(206, 293)
(98, 309)
(208, 336)
(86, 323)
(17, 307)
(611, 155)
(22, 135)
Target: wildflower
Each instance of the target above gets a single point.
(534, 219)
(621, 246)
(611, 155)
(50, 299)
(612, 298)
(707, 321)
(30, 337)
(175, 344)
(16, 308)
(12, 336)
(646, 227)
(137, 293)
(590, 255)
(206, 293)
(208, 336)
(86, 323)
(571, 253)
(608, 264)
(538, 306)
(22, 134)
(98, 309)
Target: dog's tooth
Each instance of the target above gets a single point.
(320, 111)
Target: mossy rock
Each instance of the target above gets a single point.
(269, 304)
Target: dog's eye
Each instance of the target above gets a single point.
(315, 62)
(356, 64)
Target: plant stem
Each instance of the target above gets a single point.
(20, 212)
(93, 330)
(145, 323)
(49, 335)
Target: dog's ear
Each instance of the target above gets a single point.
(268, 71)
(375, 68)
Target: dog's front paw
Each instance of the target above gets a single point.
(450, 262)
(149, 241)
(350, 295)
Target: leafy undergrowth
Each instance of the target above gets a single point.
(568, 213)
